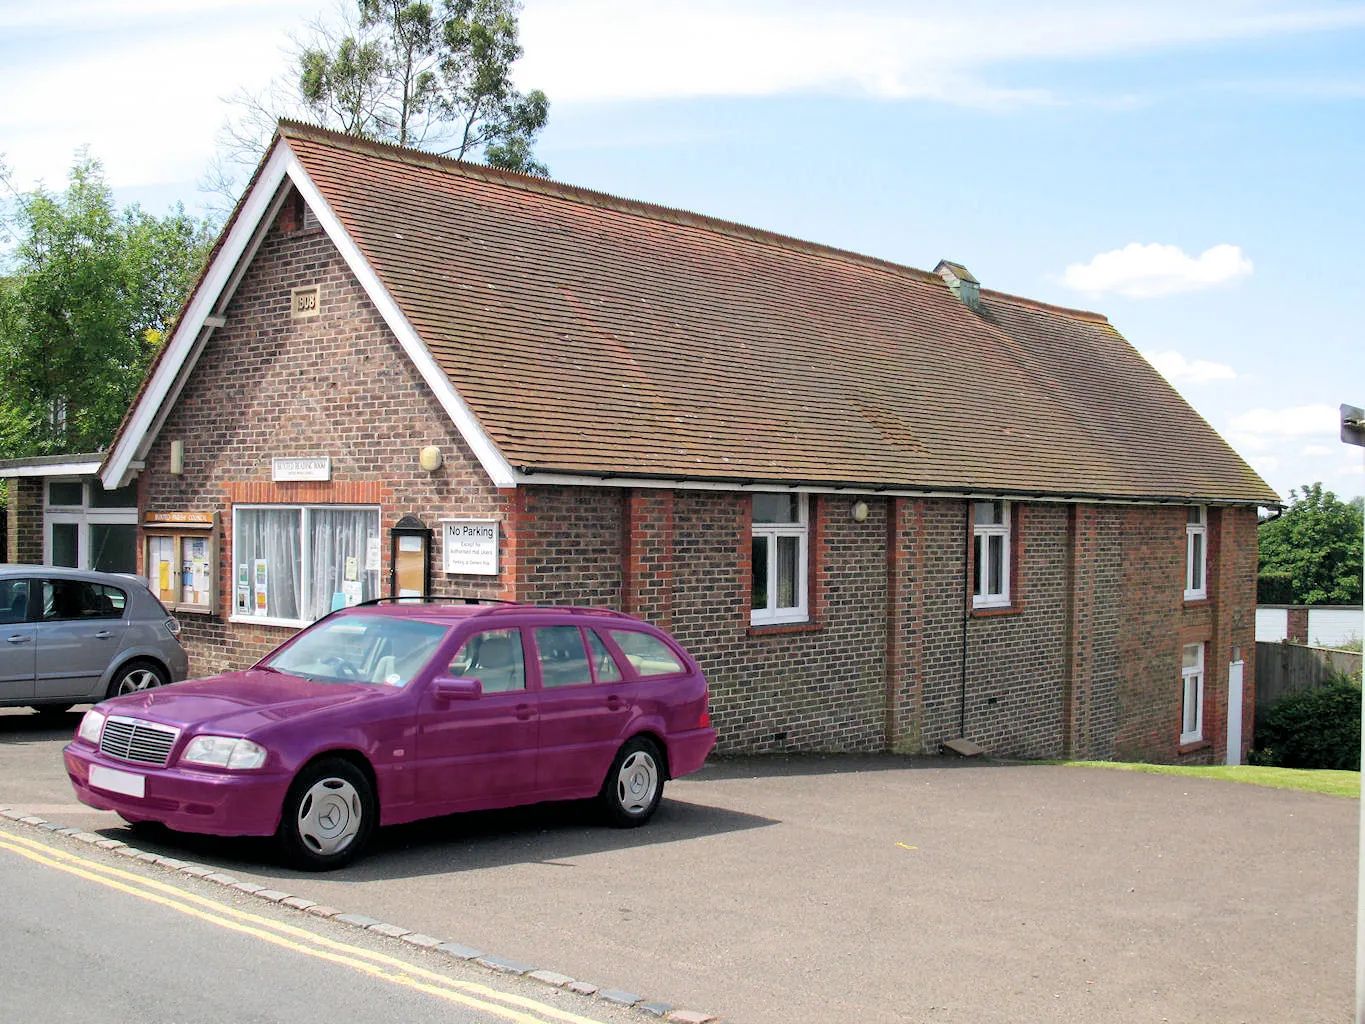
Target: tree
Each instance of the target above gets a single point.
(407, 72)
(90, 294)
(1316, 545)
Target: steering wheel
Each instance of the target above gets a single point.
(341, 667)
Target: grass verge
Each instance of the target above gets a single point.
(1304, 780)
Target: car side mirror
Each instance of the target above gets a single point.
(457, 688)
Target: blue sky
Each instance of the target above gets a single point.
(1192, 170)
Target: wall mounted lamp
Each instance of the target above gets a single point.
(429, 458)
(859, 511)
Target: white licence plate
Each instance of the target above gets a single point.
(118, 782)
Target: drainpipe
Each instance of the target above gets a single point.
(966, 614)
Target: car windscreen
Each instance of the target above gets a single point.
(379, 649)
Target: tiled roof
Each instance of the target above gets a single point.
(595, 335)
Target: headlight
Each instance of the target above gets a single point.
(92, 727)
(224, 752)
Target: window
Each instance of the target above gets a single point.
(1196, 553)
(649, 655)
(77, 599)
(297, 563)
(361, 649)
(1192, 699)
(990, 554)
(13, 601)
(563, 658)
(781, 544)
(87, 527)
(494, 658)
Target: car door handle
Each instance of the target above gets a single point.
(19, 638)
(615, 703)
(103, 634)
(525, 712)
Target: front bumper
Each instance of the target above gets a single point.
(187, 800)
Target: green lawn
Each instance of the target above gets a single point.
(1303, 779)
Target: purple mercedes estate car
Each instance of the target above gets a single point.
(389, 712)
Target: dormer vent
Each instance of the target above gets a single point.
(961, 283)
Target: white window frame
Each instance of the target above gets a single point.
(1199, 530)
(981, 532)
(305, 555)
(1192, 688)
(770, 532)
(83, 515)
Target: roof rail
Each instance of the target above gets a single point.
(571, 608)
(495, 605)
(427, 598)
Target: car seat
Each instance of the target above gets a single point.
(497, 666)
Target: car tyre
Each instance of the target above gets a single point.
(137, 676)
(634, 785)
(329, 814)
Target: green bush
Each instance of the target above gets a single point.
(1312, 729)
(1275, 588)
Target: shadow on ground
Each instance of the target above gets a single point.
(542, 834)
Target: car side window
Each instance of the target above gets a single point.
(76, 599)
(563, 659)
(603, 661)
(13, 601)
(111, 600)
(649, 655)
(494, 658)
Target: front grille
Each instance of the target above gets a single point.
(131, 740)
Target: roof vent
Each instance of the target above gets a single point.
(961, 283)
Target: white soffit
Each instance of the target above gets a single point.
(55, 469)
(494, 464)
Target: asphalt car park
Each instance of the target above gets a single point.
(867, 889)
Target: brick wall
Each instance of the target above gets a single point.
(337, 384)
(24, 540)
(1156, 622)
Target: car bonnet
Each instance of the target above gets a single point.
(239, 703)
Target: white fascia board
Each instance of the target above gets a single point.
(62, 469)
(497, 467)
(680, 484)
(165, 384)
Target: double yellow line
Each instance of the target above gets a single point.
(518, 1009)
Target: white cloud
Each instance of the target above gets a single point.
(593, 50)
(1179, 370)
(1297, 445)
(140, 80)
(1297, 421)
(1142, 271)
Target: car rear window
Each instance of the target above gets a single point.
(649, 655)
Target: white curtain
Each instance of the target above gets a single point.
(336, 534)
(272, 534)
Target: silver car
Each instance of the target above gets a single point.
(69, 636)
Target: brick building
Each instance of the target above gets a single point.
(885, 508)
